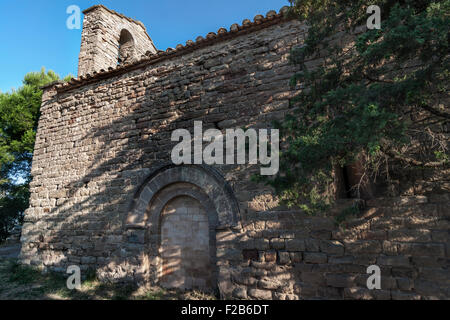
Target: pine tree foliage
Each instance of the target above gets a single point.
(19, 115)
(377, 95)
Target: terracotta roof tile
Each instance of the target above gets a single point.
(260, 22)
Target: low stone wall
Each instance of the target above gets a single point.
(289, 255)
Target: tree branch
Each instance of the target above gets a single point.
(435, 112)
(412, 161)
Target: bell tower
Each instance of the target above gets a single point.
(110, 39)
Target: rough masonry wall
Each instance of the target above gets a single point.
(289, 255)
(100, 39)
(97, 144)
(185, 246)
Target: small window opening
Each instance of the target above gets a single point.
(126, 48)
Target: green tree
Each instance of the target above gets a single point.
(381, 95)
(19, 115)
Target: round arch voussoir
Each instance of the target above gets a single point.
(207, 179)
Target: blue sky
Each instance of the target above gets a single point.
(34, 34)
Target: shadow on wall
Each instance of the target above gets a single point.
(85, 225)
(272, 255)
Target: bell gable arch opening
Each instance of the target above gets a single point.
(127, 50)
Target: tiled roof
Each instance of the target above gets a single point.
(258, 23)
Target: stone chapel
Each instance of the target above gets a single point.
(106, 196)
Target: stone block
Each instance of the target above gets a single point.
(341, 260)
(312, 245)
(316, 278)
(88, 260)
(295, 245)
(405, 284)
(277, 244)
(422, 249)
(356, 293)
(251, 254)
(239, 293)
(396, 261)
(397, 295)
(389, 248)
(136, 236)
(296, 257)
(284, 257)
(410, 235)
(262, 244)
(332, 247)
(260, 294)
(426, 288)
(269, 284)
(270, 256)
(313, 257)
(224, 283)
(381, 294)
(341, 280)
(362, 247)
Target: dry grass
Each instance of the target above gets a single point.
(24, 283)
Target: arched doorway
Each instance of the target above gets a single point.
(179, 213)
(185, 249)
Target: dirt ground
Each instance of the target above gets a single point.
(19, 282)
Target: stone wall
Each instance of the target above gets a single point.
(97, 144)
(102, 178)
(289, 255)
